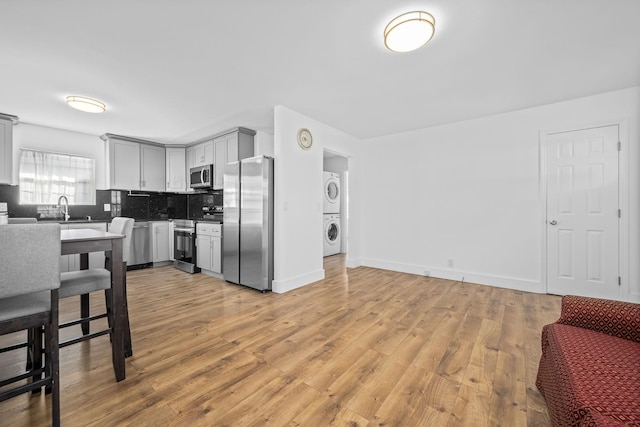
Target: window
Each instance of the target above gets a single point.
(44, 177)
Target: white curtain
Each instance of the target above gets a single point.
(44, 177)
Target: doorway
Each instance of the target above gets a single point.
(335, 212)
(582, 212)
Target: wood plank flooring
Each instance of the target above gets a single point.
(364, 347)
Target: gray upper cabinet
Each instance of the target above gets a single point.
(198, 155)
(230, 147)
(134, 165)
(203, 154)
(175, 169)
(152, 168)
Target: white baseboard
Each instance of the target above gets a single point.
(353, 262)
(450, 274)
(282, 286)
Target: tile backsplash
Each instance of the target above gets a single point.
(140, 206)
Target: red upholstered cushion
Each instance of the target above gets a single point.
(589, 378)
(620, 319)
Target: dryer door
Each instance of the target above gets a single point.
(332, 190)
(332, 195)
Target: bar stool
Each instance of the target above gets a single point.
(83, 282)
(29, 283)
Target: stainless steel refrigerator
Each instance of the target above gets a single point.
(247, 227)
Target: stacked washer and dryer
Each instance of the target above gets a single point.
(332, 226)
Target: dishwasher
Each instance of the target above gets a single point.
(140, 250)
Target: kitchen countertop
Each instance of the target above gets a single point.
(84, 220)
(72, 221)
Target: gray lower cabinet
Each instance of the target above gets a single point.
(209, 247)
(160, 241)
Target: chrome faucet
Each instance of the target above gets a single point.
(65, 206)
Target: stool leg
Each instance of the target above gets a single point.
(84, 313)
(47, 350)
(30, 344)
(34, 342)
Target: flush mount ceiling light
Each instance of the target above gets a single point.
(86, 104)
(409, 31)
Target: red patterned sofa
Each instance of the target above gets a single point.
(589, 372)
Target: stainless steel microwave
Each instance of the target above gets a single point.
(201, 177)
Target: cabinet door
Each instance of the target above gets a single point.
(203, 154)
(227, 149)
(220, 160)
(216, 255)
(191, 158)
(172, 255)
(124, 165)
(198, 155)
(232, 147)
(160, 241)
(203, 251)
(6, 151)
(152, 168)
(208, 153)
(175, 170)
(191, 163)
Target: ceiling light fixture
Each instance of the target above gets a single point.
(409, 31)
(86, 104)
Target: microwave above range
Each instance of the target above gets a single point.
(201, 177)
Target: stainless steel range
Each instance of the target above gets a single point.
(184, 238)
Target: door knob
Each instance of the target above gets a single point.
(553, 222)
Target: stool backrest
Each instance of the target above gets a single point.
(29, 258)
(123, 225)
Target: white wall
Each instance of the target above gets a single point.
(263, 144)
(28, 136)
(298, 197)
(470, 192)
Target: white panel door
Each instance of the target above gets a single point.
(582, 212)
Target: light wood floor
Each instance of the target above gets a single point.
(364, 347)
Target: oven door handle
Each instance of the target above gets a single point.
(184, 230)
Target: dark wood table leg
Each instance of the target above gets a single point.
(128, 349)
(118, 305)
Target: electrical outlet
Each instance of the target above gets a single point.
(450, 262)
(107, 207)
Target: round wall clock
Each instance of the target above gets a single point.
(305, 139)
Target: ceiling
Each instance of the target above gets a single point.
(178, 71)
